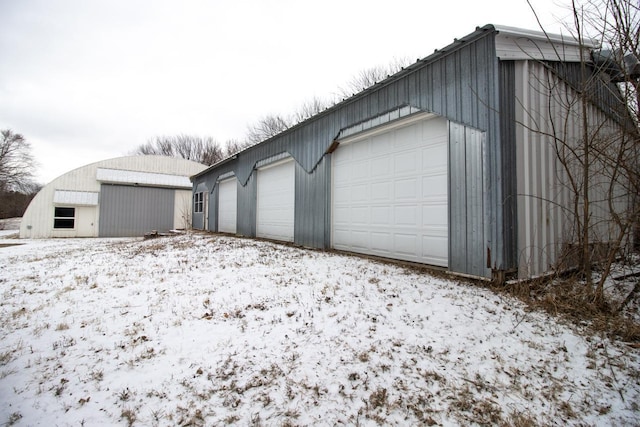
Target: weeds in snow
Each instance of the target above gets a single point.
(231, 331)
(14, 417)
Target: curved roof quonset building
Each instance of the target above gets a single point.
(121, 197)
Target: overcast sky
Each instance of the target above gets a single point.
(88, 80)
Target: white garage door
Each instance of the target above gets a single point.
(390, 193)
(276, 201)
(227, 205)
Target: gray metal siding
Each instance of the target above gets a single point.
(247, 207)
(127, 211)
(508, 143)
(459, 83)
(549, 154)
(600, 90)
(312, 194)
(212, 209)
(468, 222)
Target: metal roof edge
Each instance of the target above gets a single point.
(215, 165)
(567, 39)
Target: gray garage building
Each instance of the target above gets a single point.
(442, 163)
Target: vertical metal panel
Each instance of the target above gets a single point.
(508, 167)
(311, 226)
(602, 92)
(537, 184)
(468, 212)
(211, 221)
(457, 199)
(132, 211)
(247, 208)
(549, 106)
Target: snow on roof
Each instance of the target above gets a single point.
(117, 176)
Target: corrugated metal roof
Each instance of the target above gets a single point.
(67, 197)
(127, 177)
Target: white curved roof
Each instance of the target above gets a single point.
(81, 186)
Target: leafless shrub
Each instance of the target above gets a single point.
(6, 357)
(13, 418)
(378, 398)
(59, 388)
(518, 419)
(124, 395)
(129, 416)
(62, 327)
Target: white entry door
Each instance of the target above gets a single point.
(227, 205)
(276, 201)
(390, 194)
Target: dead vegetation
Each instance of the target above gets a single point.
(568, 297)
(212, 330)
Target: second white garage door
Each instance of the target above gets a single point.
(227, 205)
(390, 193)
(276, 201)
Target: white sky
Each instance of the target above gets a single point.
(88, 80)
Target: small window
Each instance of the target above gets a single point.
(198, 202)
(64, 218)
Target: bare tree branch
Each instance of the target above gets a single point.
(203, 150)
(370, 76)
(16, 162)
(267, 127)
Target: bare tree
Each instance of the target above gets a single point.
(267, 127)
(370, 76)
(203, 150)
(617, 24)
(234, 146)
(594, 137)
(17, 164)
(309, 109)
(271, 125)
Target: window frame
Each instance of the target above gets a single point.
(198, 202)
(64, 217)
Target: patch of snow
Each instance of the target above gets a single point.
(212, 329)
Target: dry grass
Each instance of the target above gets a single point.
(570, 299)
(382, 376)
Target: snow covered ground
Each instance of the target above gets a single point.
(209, 330)
(9, 227)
